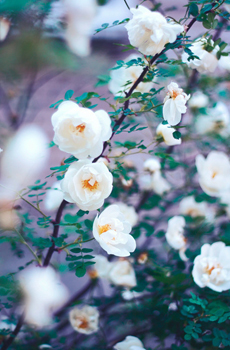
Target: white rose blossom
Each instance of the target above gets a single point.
(224, 61)
(130, 343)
(154, 180)
(87, 184)
(166, 132)
(112, 231)
(198, 100)
(122, 274)
(174, 104)
(152, 165)
(217, 120)
(54, 197)
(207, 61)
(43, 292)
(150, 31)
(101, 267)
(85, 319)
(80, 16)
(214, 173)
(80, 131)
(212, 267)
(119, 78)
(175, 235)
(129, 213)
(188, 206)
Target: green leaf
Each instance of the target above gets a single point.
(193, 9)
(177, 135)
(80, 270)
(69, 94)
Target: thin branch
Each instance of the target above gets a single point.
(9, 341)
(127, 4)
(27, 245)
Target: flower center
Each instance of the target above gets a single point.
(174, 94)
(90, 184)
(77, 129)
(214, 174)
(209, 270)
(83, 323)
(104, 228)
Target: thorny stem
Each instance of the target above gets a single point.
(27, 245)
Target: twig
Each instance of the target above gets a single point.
(9, 341)
(27, 245)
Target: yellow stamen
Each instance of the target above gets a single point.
(104, 228)
(214, 174)
(78, 129)
(86, 184)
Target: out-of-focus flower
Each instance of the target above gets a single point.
(188, 206)
(80, 131)
(150, 31)
(101, 268)
(8, 216)
(112, 231)
(129, 295)
(4, 28)
(142, 258)
(122, 274)
(159, 184)
(54, 197)
(44, 293)
(84, 320)
(126, 183)
(198, 100)
(217, 120)
(166, 132)
(87, 184)
(152, 165)
(174, 104)
(212, 267)
(24, 157)
(119, 78)
(214, 173)
(175, 235)
(80, 16)
(129, 213)
(224, 61)
(207, 61)
(130, 343)
(172, 306)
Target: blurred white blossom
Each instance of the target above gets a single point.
(214, 173)
(122, 274)
(150, 31)
(198, 100)
(84, 319)
(175, 235)
(224, 61)
(80, 131)
(212, 267)
(43, 292)
(174, 104)
(4, 28)
(152, 165)
(101, 268)
(188, 206)
(207, 61)
(54, 197)
(112, 231)
(87, 184)
(217, 120)
(119, 78)
(129, 213)
(166, 132)
(130, 343)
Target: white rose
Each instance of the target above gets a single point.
(119, 78)
(44, 293)
(150, 31)
(159, 184)
(4, 28)
(80, 131)
(188, 206)
(175, 235)
(102, 266)
(129, 213)
(214, 173)
(112, 230)
(207, 61)
(198, 100)
(122, 274)
(80, 17)
(85, 319)
(166, 131)
(174, 104)
(87, 184)
(54, 197)
(212, 267)
(217, 120)
(224, 62)
(152, 164)
(24, 157)
(130, 343)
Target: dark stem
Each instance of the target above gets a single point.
(55, 232)
(9, 341)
